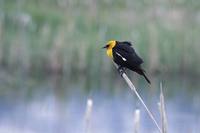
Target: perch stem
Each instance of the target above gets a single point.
(132, 87)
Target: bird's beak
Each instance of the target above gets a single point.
(104, 47)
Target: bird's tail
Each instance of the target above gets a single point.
(146, 78)
(142, 72)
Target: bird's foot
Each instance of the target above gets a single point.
(121, 70)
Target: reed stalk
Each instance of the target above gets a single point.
(132, 87)
(136, 121)
(88, 115)
(161, 106)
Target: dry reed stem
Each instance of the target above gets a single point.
(136, 121)
(88, 115)
(132, 87)
(161, 106)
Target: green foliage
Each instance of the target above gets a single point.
(68, 36)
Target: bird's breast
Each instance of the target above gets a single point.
(109, 53)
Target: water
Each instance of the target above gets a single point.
(57, 104)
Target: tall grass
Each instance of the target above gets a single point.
(66, 36)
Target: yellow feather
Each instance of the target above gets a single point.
(109, 50)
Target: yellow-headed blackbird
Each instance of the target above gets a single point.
(125, 56)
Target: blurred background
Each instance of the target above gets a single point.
(51, 62)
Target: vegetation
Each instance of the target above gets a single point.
(67, 35)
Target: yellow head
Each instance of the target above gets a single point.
(109, 46)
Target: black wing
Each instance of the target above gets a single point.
(126, 43)
(126, 56)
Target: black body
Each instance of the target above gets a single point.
(125, 56)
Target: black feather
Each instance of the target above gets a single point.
(125, 56)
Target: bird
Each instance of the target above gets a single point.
(124, 55)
